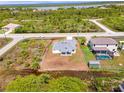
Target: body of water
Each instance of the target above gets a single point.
(65, 7)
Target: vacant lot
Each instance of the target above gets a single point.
(4, 41)
(56, 62)
(114, 23)
(54, 26)
(24, 54)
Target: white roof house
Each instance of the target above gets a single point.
(11, 26)
(104, 44)
(65, 48)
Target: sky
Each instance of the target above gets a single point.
(43, 1)
(36, 2)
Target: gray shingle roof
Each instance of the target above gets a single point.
(103, 41)
(65, 46)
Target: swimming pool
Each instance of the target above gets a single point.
(103, 57)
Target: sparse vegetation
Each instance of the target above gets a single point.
(114, 23)
(29, 83)
(67, 84)
(4, 41)
(26, 54)
(43, 82)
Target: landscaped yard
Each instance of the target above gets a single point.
(88, 55)
(114, 23)
(116, 64)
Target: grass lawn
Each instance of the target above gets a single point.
(88, 55)
(113, 64)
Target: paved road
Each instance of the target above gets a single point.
(9, 46)
(8, 32)
(52, 35)
(19, 37)
(102, 26)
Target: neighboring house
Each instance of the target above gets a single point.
(121, 45)
(103, 46)
(10, 26)
(65, 47)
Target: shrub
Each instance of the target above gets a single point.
(27, 64)
(82, 40)
(35, 65)
(105, 84)
(29, 83)
(67, 84)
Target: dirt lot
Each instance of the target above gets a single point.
(4, 41)
(52, 62)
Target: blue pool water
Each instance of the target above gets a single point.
(102, 57)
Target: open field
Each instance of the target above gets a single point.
(21, 57)
(24, 54)
(54, 62)
(114, 23)
(52, 25)
(4, 41)
(71, 13)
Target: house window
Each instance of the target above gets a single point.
(94, 44)
(116, 45)
(107, 45)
